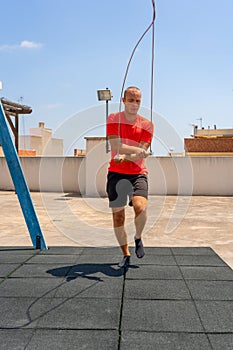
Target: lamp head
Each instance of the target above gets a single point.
(104, 95)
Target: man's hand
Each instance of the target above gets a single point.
(141, 153)
(119, 158)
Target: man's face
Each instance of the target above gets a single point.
(132, 101)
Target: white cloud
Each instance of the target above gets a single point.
(30, 44)
(7, 47)
(25, 44)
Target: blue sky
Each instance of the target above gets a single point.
(56, 54)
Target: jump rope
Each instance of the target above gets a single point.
(118, 158)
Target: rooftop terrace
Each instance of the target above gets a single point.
(73, 295)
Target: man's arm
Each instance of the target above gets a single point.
(121, 148)
(126, 153)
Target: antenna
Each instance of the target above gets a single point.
(200, 119)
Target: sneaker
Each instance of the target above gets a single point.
(125, 262)
(139, 250)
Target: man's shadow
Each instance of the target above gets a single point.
(89, 271)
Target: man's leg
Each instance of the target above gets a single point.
(118, 215)
(140, 209)
(118, 188)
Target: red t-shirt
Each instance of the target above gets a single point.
(141, 130)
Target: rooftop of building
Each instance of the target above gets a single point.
(73, 295)
(68, 219)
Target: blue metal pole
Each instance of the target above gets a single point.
(20, 184)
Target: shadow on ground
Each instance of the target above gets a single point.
(88, 271)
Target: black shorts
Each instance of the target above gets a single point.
(121, 187)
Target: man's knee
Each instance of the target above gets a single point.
(139, 205)
(118, 218)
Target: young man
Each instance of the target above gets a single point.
(130, 136)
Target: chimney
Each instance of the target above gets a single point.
(41, 125)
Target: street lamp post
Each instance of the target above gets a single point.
(105, 95)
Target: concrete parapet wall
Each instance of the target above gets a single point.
(210, 176)
(51, 174)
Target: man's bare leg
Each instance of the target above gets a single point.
(140, 209)
(118, 215)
